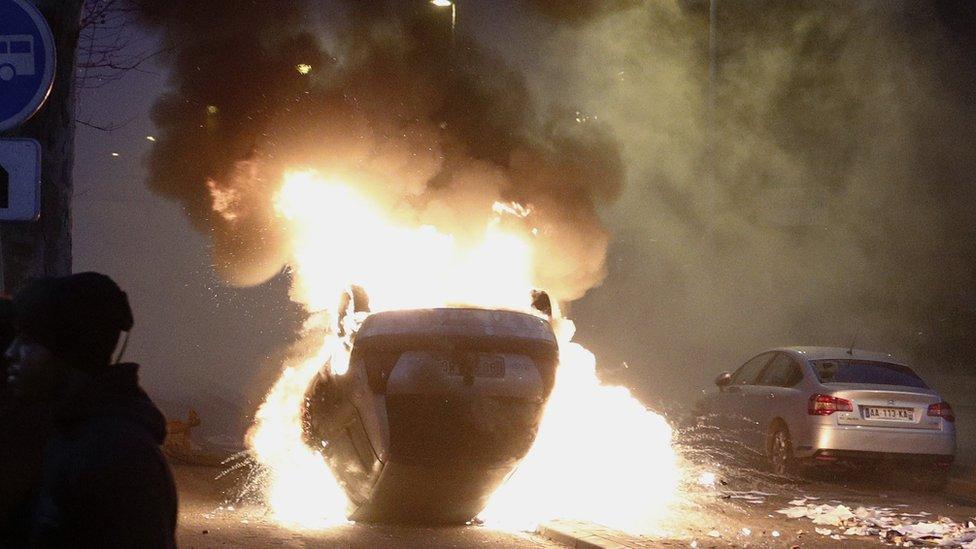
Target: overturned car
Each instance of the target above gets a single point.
(436, 409)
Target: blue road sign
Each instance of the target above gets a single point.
(20, 179)
(26, 62)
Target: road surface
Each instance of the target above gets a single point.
(206, 520)
(742, 512)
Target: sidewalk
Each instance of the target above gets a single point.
(962, 477)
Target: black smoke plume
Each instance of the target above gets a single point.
(383, 93)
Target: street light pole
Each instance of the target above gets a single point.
(453, 5)
(712, 108)
(712, 54)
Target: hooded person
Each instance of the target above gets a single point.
(105, 482)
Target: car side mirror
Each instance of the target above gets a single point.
(723, 379)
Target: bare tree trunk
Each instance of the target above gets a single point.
(43, 247)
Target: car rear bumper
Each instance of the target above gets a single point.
(851, 456)
(877, 441)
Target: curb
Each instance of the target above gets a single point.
(962, 483)
(586, 535)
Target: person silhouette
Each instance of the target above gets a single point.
(104, 482)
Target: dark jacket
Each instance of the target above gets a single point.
(105, 481)
(24, 432)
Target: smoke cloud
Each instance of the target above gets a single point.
(818, 191)
(824, 195)
(431, 125)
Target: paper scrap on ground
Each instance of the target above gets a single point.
(885, 523)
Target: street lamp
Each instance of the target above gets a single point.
(448, 4)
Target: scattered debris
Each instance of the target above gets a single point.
(714, 534)
(803, 500)
(794, 512)
(886, 523)
(754, 497)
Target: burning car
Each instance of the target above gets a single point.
(435, 410)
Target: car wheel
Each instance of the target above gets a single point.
(781, 452)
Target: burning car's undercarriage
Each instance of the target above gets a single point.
(435, 410)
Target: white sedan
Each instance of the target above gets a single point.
(807, 405)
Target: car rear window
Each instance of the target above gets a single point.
(865, 371)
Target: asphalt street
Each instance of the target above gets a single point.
(207, 520)
(745, 511)
(742, 512)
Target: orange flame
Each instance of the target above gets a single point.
(599, 454)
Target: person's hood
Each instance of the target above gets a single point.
(114, 392)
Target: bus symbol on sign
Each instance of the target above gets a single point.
(27, 62)
(16, 56)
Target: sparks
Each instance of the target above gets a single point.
(511, 208)
(707, 479)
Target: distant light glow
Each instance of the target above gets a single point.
(442, 3)
(150, 138)
(212, 109)
(303, 68)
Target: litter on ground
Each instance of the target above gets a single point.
(888, 525)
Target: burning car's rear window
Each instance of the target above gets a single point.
(865, 371)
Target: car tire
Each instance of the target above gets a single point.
(781, 460)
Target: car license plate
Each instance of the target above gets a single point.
(890, 414)
(486, 366)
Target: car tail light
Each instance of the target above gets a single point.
(943, 410)
(824, 405)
